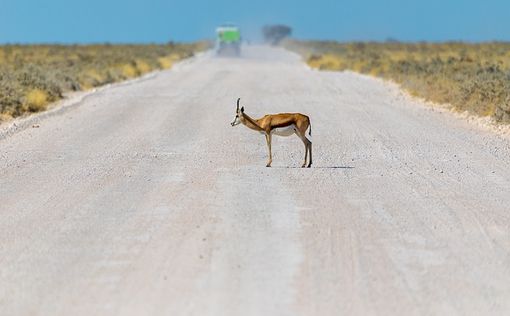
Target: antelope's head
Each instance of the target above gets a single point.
(239, 114)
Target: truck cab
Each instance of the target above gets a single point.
(228, 40)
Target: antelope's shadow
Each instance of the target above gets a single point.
(318, 167)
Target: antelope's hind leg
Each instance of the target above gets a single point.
(307, 144)
(306, 153)
(310, 149)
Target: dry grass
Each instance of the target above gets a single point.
(32, 76)
(36, 100)
(128, 71)
(470, 77)
(166, 62)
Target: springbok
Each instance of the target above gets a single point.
(283, 124)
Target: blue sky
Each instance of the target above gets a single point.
(70, 21)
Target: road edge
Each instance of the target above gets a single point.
(483, 123)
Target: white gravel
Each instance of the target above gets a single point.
(142, 200)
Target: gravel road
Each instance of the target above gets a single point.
(143, 200)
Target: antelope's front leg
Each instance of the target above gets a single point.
(268, 141)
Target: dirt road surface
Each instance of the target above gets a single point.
(143, 200)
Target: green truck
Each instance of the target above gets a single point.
(228, 40)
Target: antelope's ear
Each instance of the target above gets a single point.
(242, 109)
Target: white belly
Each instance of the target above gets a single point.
(284, 131)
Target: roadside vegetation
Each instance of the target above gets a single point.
(32, 76)
(470, 77)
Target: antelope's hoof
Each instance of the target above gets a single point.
(309, 166)
(304, 165)
(268, 165)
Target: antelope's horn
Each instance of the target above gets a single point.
(239, 99)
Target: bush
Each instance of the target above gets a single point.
(274, 34)
(36, 100)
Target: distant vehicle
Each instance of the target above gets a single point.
(228, 40)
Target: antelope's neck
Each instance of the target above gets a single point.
(251, 123)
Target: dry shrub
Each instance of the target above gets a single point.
(326, 62)
(142, 67)
(36, 100)
(4, 117)
(165, 62)
(128, 71)
(90, 78)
